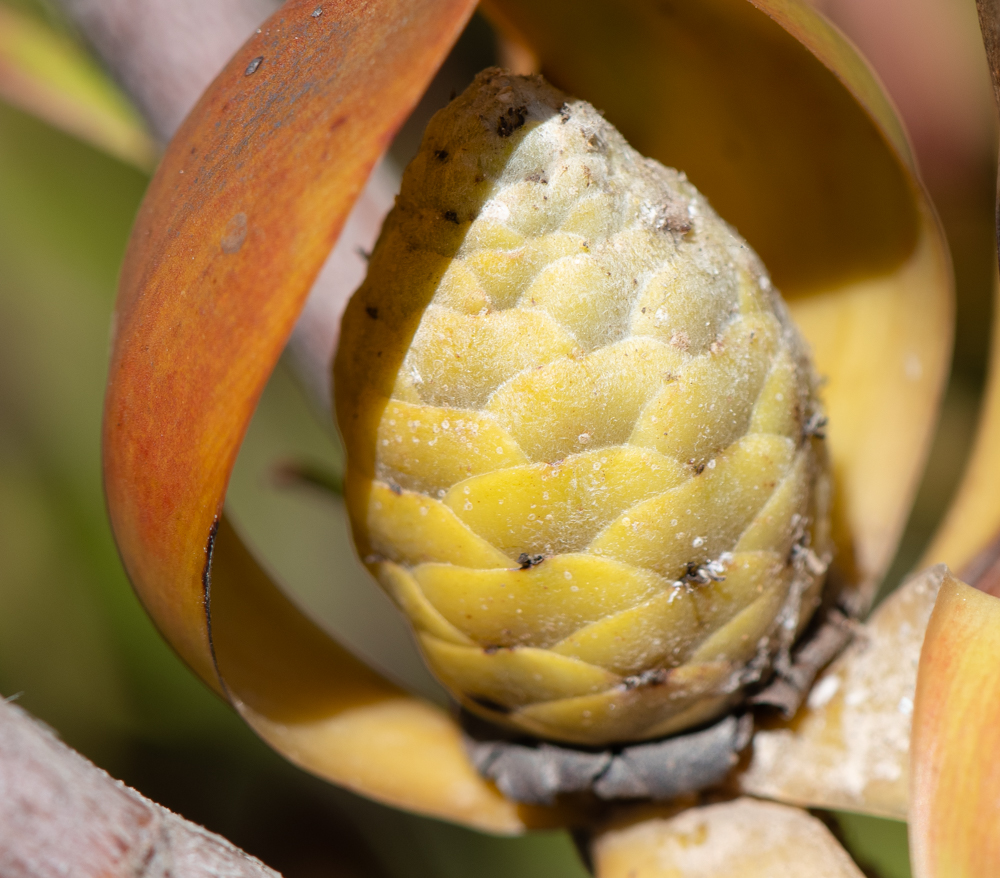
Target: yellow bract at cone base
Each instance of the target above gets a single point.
(581, 429)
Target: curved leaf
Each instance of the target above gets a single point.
(774, 116)
(956, 734)
(744, 838)
(250, 196)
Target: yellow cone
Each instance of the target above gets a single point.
(585, 452)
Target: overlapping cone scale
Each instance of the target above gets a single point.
(585, 453)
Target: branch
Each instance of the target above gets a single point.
(61, 815)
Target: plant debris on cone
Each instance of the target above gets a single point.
(585, 450)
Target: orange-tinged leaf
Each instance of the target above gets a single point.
(956, 736)
(743, 838)
(779, 122)
(243, 209)
(237, 221)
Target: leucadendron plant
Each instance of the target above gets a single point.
(779, 124)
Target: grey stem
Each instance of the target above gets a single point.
(60, 815)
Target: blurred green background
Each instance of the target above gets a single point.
(77, 650)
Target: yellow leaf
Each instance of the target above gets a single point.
(739, 839)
